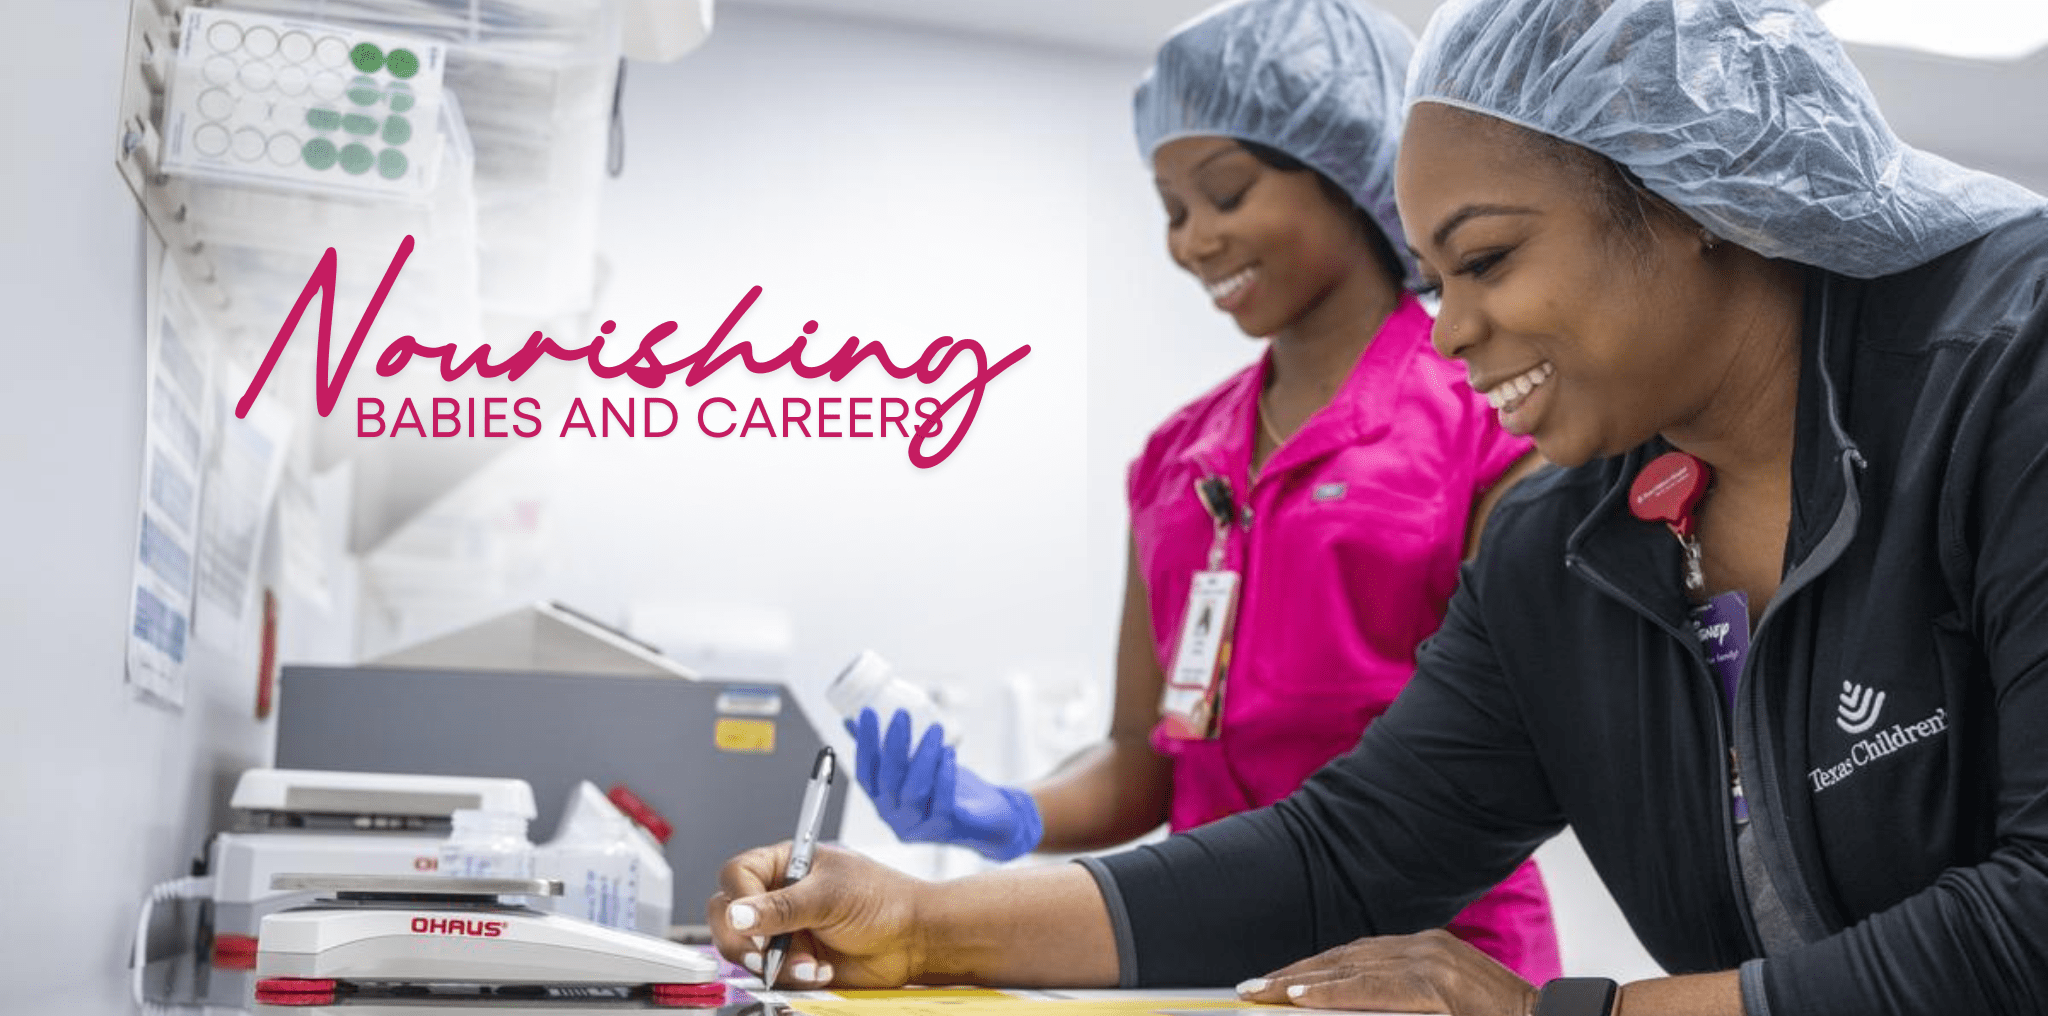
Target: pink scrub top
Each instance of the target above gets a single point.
(1356, 529)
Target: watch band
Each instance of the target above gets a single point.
(1576, 996)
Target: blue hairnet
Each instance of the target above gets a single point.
(1320, 80)
(1746, 114)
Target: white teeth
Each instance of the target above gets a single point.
(1512, 391)
(1222, 288)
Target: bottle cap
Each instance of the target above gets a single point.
(857, 685)
(640, 811)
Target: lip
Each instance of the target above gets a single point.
(1482, 387)
(1519, 406)
(1521, 419)
(1230, 303)
(1210, 280)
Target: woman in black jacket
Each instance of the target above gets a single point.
(1774, 640)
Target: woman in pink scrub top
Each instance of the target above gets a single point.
(1353, 466)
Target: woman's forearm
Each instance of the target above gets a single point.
(1029, 927)
(1689, 995)
(1112, 792)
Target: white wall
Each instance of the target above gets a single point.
(899, 185)
(101, 795)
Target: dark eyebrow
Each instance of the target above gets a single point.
(1470, 212)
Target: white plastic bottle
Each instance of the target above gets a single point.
(870, 683)
(486, 844)
(657, 881)
(603, 883)
(612, 873)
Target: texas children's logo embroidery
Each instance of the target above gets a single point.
(715, 417)
(1858, 707)
(1894, 738)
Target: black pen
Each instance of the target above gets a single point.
(809, 819)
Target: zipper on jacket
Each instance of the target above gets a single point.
(1786, 878)
(1728, 781)
(1735, 780)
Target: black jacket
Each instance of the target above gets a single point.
(1568, 687)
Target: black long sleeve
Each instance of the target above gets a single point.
(1976, 940)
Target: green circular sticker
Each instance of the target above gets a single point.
(319, 153)
(323, 119)
(402, 63)
(364, 92)
(357, 123)
(367, 57)
(401, 97)
(391, 163)
(356, 159)
(396, 130)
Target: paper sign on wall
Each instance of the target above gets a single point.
(175, 394)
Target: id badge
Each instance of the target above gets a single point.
(1192, 703)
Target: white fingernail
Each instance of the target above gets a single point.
(825, 973)
(1253, 986)
(805, 971)
(752, 961)
(1297, 990)
(741, 916)
(760, 941)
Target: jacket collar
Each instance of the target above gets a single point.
(1360, 412)
(1640, 561)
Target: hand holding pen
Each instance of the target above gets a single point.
(810, 818)
(855, 922)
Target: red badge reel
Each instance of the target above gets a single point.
(1668, 490)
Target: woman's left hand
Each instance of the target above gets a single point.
(1429, 972)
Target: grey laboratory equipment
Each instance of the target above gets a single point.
(548, 696)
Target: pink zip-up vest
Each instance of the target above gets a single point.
(1356, 529)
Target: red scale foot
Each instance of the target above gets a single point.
(706, 995)
(295, 998)
(294, 991)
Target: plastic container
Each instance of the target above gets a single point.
(611, 870)
(600, 873)
(486, 844)
(651, 834)
(870, 683)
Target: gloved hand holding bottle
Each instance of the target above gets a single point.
(926, 796)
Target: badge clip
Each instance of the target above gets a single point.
(1669, 490)
(1214, 494)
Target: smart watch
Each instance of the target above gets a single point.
(1576, 996)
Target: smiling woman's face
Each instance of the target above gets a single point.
(1587, 333)
(1268, 244)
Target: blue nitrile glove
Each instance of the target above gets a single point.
(928, 797)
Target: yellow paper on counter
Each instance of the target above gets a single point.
(928, 994)
(947, 1003)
